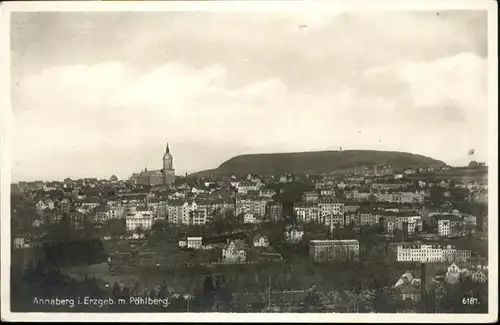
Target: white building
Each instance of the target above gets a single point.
(194, 213)
(194, 242)
(20, 243)
(139, 219)
(430, 253)
(260, 241)
(41, 205)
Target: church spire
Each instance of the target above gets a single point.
(168, 149)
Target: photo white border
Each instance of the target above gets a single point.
(7, 124)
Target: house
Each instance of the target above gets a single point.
(407, 277)
(274, 211)
(245, 187)
(250, 218)
(254, 178)
(194, 242)
(410, 171)
(480, 276)
(408, 287)
(293, 234)
(267, 193)
(41, 205)
(115, 212)
(182, 243)
(90, 203)
(249, 204)
(65, 205)
(450, 225)
(21, 242)
(77, 219)
(470, 220)
(351, 207)
(234, 252)
(458, 270)
(310, 196)
(142, 219)
(100, 215)
(260, 241)
(50, 204)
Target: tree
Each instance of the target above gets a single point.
(207, 293)
(473, 164)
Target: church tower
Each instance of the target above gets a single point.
(168, 168)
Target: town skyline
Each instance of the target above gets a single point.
(215, 95)
(157, 166)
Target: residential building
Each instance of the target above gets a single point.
(142, 219)
(408, 287)
(175, 211)
(352, 219)
(65, 205)
(50, 204)
(274, 211)
(21, 242)
(398, 184)
(247, 187)
(307, 212)
(310, 196)
(77, 219)
(450, 226)
(334, 250)
(480, 276)
(100, 215)
(260, 241)
(250, 218)
(194, 213)
(428, 253)
(41, 205)
(360, 195)
(194, 242)
(267, 193)
(329, 208)
(351, 207)
(90, 203)
(115, 212)
(293, 234)
(327, 193)
(234, 252)
(470, 220)
(368, 219)
(253, 205)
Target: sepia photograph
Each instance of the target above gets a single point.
(249, 160)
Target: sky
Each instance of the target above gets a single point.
(100, 93)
